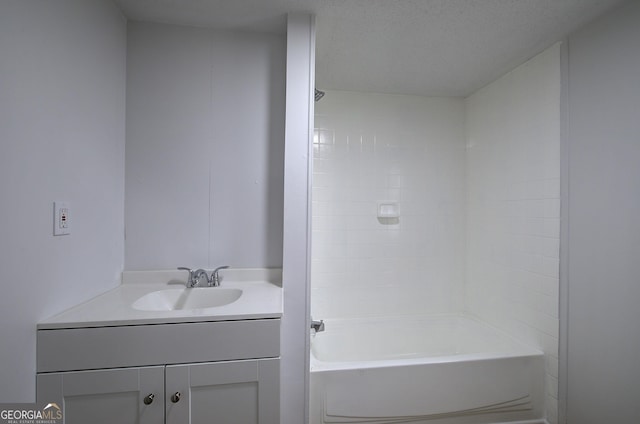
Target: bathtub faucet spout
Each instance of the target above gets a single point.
(317, 325)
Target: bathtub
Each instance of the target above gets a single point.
(447, 369)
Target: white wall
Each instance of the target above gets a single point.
(62, 129)
(603, 209)
(205, 147)
(376, 148)
(513, 200)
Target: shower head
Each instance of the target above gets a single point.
(318, 94)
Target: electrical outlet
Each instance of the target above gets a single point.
(61, 219)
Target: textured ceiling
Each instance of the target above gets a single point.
(425, 47)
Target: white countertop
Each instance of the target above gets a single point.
(261, 298)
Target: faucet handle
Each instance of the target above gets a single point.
(214, 281)
(190, 282)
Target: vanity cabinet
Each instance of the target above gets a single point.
(224, 372)
(219, 392)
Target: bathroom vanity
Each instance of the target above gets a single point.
(107, 361)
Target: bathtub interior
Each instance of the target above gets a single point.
(431, 370)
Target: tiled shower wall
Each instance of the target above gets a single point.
(404, 150)
(513, 207)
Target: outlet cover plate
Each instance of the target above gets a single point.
(61, 219)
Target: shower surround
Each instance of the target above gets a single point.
(513, 208)
(477, 185)
(372, 149)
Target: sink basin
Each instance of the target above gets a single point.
(183, 299)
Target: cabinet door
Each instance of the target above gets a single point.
(106, 396)
(235, 392)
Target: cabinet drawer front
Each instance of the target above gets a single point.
(113, 347)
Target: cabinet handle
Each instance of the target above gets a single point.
(148, 399)
(175, 398)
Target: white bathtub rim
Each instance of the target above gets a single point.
(320, 366)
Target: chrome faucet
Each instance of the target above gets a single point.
(318, 326)
(199, 274)
(195, 276)
(214, 281)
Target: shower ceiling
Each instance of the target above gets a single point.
(426, 47)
